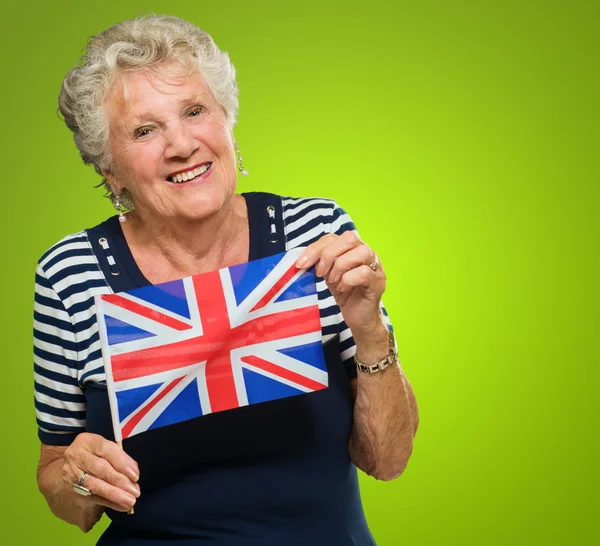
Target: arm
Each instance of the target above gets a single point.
(61, 411)
(385, 412)
(111, 479)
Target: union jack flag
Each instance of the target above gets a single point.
(211, 342)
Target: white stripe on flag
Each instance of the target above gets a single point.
(267, 283)
(203, 390)
(146, 422)
(157, 308)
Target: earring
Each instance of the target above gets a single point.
(240, 159)
(117, 205)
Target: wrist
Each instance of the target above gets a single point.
(374, 346)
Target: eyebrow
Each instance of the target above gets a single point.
(196, 99)
(183, 103)
(147, 114)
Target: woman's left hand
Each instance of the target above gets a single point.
(354, 276)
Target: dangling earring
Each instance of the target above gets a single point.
(240, 159)
(117, 205)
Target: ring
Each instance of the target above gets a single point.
(79, 488)
(374, 265)
(82, 478)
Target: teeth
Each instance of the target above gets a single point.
(188, 175)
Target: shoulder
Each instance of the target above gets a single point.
(296, 205)
(64, 252)
(306, 219)
(73, 250)
(69, 267)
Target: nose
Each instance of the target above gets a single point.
(180, 142)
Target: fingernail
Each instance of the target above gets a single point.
(134, 489)
(132, 473)
(127, 500)
(301, 262)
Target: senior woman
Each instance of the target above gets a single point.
(152, 108)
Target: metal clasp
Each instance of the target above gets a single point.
(109, 257)
(271, 213)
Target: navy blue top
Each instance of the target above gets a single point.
(276, 473)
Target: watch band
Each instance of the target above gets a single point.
(382, 364)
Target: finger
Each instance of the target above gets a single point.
(87, 443)
(337, 248)
(110, 493)
(102, 469)
(355, 257)
(95, 499)
(100, 488)
(311, 254)
(117, 458)
(98, 470)
(340, 297)
(324, 251)
(362, 276)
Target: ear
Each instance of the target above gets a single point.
(112, 180)
(109, 176)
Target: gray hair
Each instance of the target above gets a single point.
(146, 43)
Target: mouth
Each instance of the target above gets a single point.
(197, 172)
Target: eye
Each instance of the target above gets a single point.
(142, 131)
(195, 111)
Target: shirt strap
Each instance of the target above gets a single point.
(265, 217)
(103, 240)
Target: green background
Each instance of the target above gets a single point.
(463, 139)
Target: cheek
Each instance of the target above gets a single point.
(226, 149)
(142, 163)
(220, 136)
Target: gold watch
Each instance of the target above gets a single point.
(382, 364)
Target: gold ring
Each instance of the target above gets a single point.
(374, 265)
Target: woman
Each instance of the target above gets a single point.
(152, 108)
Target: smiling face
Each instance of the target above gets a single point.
(171, 145)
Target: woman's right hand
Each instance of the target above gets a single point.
(112, 474)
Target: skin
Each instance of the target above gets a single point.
(161, 124)
(112, 479)
(385, 408)
(166, 124)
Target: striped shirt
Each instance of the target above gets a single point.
(67, 354)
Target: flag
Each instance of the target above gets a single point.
(212, 342)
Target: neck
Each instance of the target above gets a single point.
(177, 247)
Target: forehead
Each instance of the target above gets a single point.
(141, 93)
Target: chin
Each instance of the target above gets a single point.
(203, 208)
